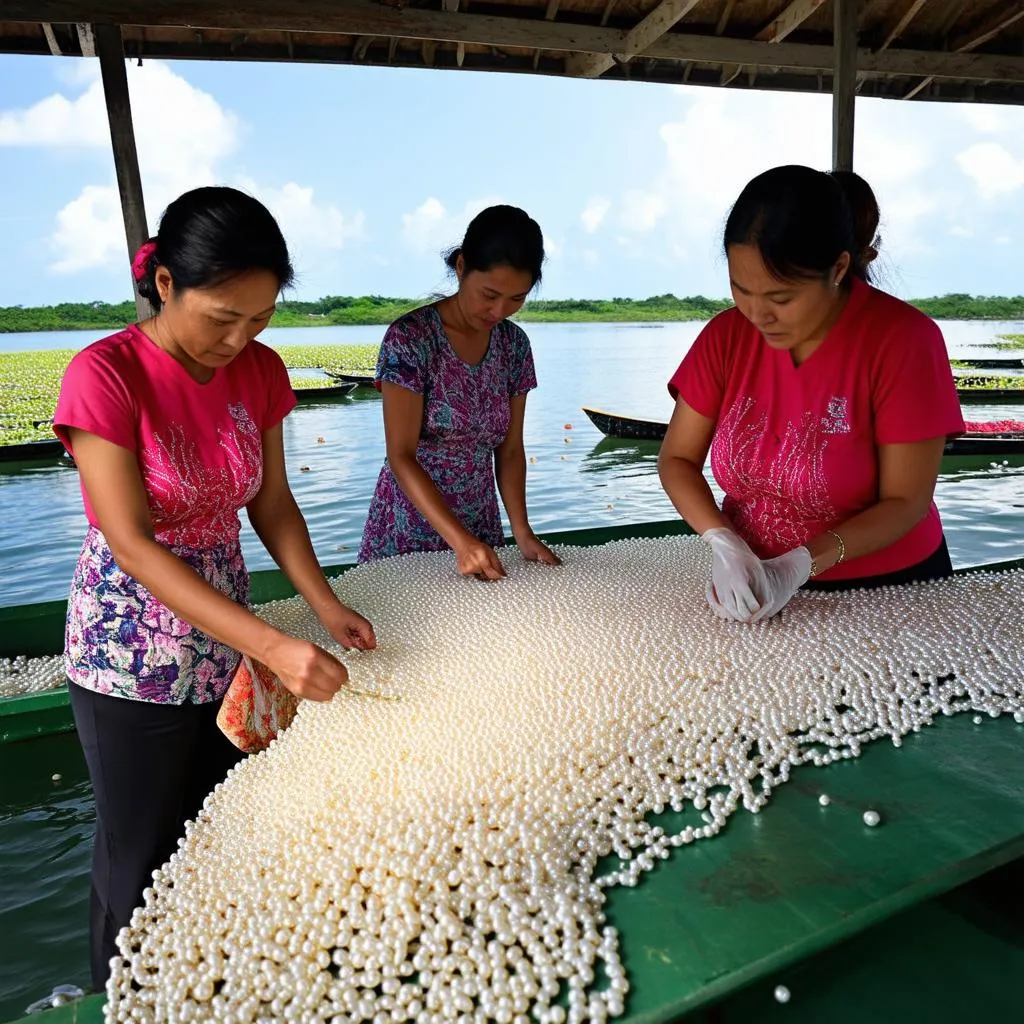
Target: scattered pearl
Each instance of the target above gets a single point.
(22, 675)
(441, 856)
(56, 777)
(824, 799)
(872, 818)
(977, 719)
(781, 994)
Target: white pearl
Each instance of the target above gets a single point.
(781, 994)
(872, 818)
(435, 857)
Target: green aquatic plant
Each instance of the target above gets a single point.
(30, 382)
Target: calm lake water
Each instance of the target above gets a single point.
(45, 828)
(589, 481)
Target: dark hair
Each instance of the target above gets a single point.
(501, 236)
(799, 220)
(866, 215)
(209, 235)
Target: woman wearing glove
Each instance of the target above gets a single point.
(825, 405)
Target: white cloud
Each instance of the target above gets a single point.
(993, 169)
(307, 224)
(642, 210)
(89, 231)
(594, 213)
(431, 228)
(983, 117)
(56, 121)
(961, 231)
(186, 146)
(553, 247)
(1003, 240)
(591, 257)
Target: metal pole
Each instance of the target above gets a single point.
(110, 50)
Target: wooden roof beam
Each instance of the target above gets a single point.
(895, 32)
(549, 15)
(361, 18)
(901, 25)
(723, 21)
(790, 19)
(989, 29)
(653, 27)
(980, 35)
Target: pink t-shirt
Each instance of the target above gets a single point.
(796, 447)
(199, 446)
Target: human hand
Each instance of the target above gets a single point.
(533, 550)
(474, 558)
(784, 575)
(349, 628)
(306, 670)
(737, 576)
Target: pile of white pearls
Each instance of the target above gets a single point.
(435, 857)
(22, 675)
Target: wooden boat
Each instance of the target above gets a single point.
(362, 380)
(995, 446)
(304, 396)
(49, 449)
(33, 451)
(993, 362)
(797, 878)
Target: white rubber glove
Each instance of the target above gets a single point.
(738, 580)
(785, 575)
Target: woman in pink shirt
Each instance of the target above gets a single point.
(824, 403)
(176, 424)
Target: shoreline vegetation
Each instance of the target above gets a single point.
(352, 311)
(30, 381)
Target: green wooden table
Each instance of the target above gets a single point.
(725, 920)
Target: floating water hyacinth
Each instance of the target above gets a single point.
(437, 857)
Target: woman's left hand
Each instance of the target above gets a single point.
(349, 628)
(533, 550)
(785, 575)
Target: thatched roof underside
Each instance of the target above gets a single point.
(966, 50)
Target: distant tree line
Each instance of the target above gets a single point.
(378, 309)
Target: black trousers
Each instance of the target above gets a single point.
(151, 767)
(937, 566)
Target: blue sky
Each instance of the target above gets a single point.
(373, 171)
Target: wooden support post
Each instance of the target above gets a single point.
(844, 83)
(110, 51)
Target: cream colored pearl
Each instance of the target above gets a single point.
(437, 856)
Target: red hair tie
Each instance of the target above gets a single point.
(140, 265)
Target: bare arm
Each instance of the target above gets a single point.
(510, 471)
(403, 420)
(279, 524)
(681, 468)
(113, 483)
(906, 484)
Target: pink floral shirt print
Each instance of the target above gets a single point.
(466, 415)
(200, 454)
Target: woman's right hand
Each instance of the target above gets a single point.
(738, 580)
(474, 558)
(306, 670)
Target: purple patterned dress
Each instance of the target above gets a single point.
(466, 415)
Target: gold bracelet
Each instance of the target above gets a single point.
(842, 547)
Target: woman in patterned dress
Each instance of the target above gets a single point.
(175, 424)
(454, 377)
